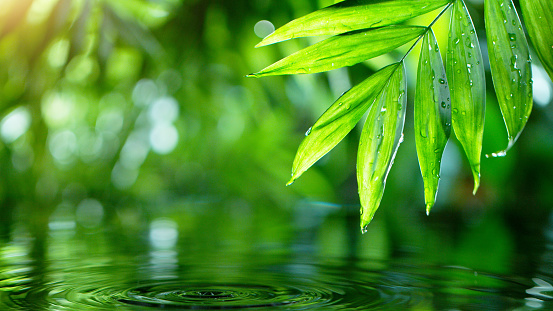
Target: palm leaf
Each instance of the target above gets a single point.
(352, 15)
(343, 50)
(380, 138)
(465, 72)
(511, 66)
(432, 116)
(338, 120)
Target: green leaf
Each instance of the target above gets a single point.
(338, 120)
(352, 15)
(538, 17)
(432, 116)
(511, 66)
(465, 72)
(380, 138)
(344, 50)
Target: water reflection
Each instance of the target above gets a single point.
(202, 256)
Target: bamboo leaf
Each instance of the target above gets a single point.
(380, 138)
(465, 72)
(338, 120)
(511, 66)
(538, 17)
(343, 50)
(352, 15)
(432, 116)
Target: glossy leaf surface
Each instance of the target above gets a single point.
(338, 120)
(380, 138)
(344, 50)
(511, 66)
(465, 72)
(352, 15)
(538, 18)
(432, 116)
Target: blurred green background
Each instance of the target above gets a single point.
(112, 111)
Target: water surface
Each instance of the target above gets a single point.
(182, 261)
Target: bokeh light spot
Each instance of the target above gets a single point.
(164, 110)
(542, 86)
(145, 92)
(89, 213)
(263, 28)
(164, 138)
(15, 124)
(163, 233)
(63, 145)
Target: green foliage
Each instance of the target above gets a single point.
(510, 64)
(381, 136)
(339, 120)
(432, 115)
(365, 29)
(465, 71)
(352, 15)
(344, 50)
(539, 23)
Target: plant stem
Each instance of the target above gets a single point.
(427, 29)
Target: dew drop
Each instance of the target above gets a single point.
(512, 37)
(444, 105)
(442, 81)
(308, 131)
(514, 63)
(423, 133)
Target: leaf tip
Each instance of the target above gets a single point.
(266, 41)
(503, 153)
(476, 183)
(428, 208)
(292, 179)
(251, 75)
(366, 219)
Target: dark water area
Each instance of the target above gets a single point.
(199, 256)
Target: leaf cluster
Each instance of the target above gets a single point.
(449, 97)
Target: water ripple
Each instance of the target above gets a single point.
(284, 287)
